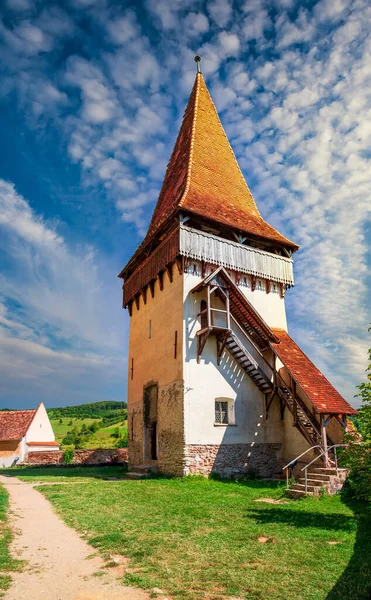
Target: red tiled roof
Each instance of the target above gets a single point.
(43, 444)
(203, 176)
(322, 394)
(15, 423)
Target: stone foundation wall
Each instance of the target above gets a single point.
(81, 457)
(230, 459)
(171, 430)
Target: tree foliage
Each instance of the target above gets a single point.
(357, 457)
(364, 416)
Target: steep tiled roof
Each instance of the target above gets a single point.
(15, 423)
(324, 397)
(203, 176)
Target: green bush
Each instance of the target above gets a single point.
(122, 440)
(357, 458)
(68, 455)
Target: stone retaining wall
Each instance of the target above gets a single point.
(232, 459)
(81, 457)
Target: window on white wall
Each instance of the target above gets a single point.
(224, 411)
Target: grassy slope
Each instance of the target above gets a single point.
(199, 539)
(7, 564)
(101, 439)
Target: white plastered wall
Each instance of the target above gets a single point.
(271, 307)
(207, 381)
(40, 429)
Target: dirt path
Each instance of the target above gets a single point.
(58, 567)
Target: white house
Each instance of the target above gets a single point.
(22, 431)
(215, 381)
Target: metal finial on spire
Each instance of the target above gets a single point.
(198, 61)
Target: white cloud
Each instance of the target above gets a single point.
(220, 11)
(196, 24)
(229, 43)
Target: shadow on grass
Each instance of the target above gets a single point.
(80, 471)
(355, 581)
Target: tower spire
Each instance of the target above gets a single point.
(198, 61)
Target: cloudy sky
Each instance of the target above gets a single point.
(92, 94)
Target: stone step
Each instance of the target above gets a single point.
(310, 488)
(312, 481)
(328, 471)
(319, 476)
(140, 468)
(137, 475)
(297, 494)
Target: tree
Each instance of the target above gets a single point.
(357, 456)
(364, 416)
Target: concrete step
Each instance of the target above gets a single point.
(328, 470)
(311, 481)
(319, 476)
(310, 488)
(297, 494)
(137, 475)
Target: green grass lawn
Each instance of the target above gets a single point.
(101, 438)
(7, 563)
(196, 538)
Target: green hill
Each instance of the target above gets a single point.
(95, 425)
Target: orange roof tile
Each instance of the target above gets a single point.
(203, 175)
(15, 423)
(322, 394)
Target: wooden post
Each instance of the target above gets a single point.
(324, 439)
(228, 312)
(208, 307)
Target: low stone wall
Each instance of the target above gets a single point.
(81, 457)
(233, 459)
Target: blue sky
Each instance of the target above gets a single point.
(92, 94)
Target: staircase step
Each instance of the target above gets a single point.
(310, 488)
(319, 477)
(137, 475)
(310, 481)
(328, 470)
(297, 494)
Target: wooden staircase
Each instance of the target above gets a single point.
(303, 419)
(328, 480)
(248, 363)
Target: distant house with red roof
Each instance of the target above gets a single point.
(22, 431)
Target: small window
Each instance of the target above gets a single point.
(221, 412)
(149, 329)
(224, 411)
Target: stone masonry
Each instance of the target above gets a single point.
(232, 459)
(81, 457)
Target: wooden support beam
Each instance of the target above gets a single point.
(253, 282)
(324, 440)
(152, 287)
(268, 402)
(169, 271)
(220, 345)
(137, 301)
(282, 407)
(144, 294)
(268, 285)
(161, 280)
(201, 341)
(180, 264)
(282, 290)
(130, 307)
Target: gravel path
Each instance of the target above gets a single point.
(58, 567)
